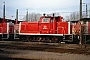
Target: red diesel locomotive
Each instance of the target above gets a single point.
(53, 29)
(47, 29)
(8, 29)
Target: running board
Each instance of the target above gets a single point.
(4, 38)
(16, 38)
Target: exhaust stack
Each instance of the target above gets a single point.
(16, 16)
(3, 13)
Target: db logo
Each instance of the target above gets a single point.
(45, 27)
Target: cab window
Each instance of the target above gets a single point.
(45, 20)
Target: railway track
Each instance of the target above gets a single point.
(8, 47)
(40, 46)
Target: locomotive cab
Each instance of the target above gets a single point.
(52, 22)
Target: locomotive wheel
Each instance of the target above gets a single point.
(48, 39)
(43, 39)
(40, 38)
(52, 40)
(56, 39)
(30, 39)
(27, 38)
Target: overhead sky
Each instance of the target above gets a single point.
(64, 7)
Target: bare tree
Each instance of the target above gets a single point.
(34, 16)
(74, 16)
(84, 15)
